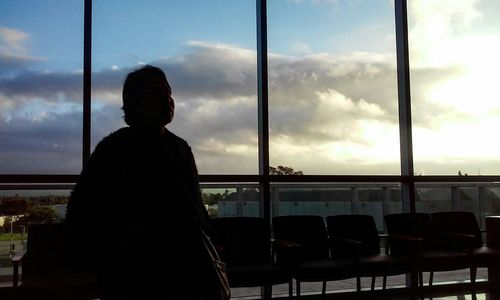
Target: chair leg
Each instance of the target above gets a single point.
(473, 273)
(421, 278)
(298, 287)
(384, 282)
(323, 290)
(414, 278)
(431, 278)
(268, 291)
(373, 283)
(358, 284)
(290, 288)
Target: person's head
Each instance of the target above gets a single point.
(147, 99)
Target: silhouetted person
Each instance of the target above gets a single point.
(131, 215)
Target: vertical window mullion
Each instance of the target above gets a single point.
(263, 108)
(87, 73)
(404, 103)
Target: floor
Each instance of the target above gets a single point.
(339, 289)
(345, 286)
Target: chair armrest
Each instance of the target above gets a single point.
(412, 241)
(352, 242)
(16, 260)
(404, 238)
(459, 235)
(465, 239)
(286, 244)
(286, 253)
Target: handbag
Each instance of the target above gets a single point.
(217, 283)
(215, 278)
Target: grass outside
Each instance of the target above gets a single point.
(15, 237)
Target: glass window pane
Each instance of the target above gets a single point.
(455, 101)
(232, 200)
(207, 50)
(41, 59)
(332, 87)
(327, 199)
(18, 210)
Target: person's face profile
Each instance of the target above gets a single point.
(157, 106)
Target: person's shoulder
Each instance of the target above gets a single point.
(107, 150)
(116, 138)
(177, 139)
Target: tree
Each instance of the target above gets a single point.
(37, 215)
(212, 212)
(211, 199)
(14, 207)
(283, 170)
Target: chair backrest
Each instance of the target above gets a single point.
(461, 222)
(355, 227)
(46, 251)
(308, 231)
(246, 240)
(410, 224)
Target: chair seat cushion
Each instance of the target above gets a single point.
(256, 275)
(382, 264)
(445, 260)
(325, 269)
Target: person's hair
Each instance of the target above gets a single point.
(134, 89)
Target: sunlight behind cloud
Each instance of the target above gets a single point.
(460, 110)
(433, 27)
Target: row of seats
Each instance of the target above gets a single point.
(317, 249)
(302, 248)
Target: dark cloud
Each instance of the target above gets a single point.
(12, 64)
(50, 145)
(49, 86)
(217, 71)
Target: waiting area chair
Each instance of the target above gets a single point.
(436, 251)
(463, 226)
(246, 249)
(302, 242)
(372, 261)
(46, 272)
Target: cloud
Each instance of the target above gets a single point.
(217, 70)
(340, 109)
(48, 145)
(439, 23)
(13, 53)
(47, 85)
(11, 40)
(215, 88)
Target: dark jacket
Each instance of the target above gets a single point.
(135, 213)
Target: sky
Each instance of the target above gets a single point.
(332, 89)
